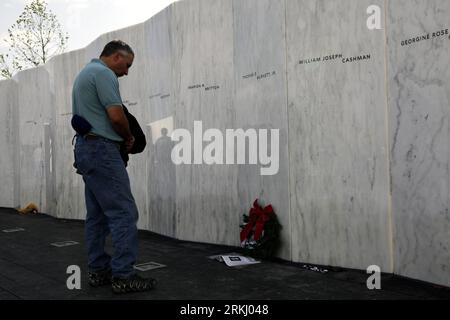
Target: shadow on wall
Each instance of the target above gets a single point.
(162, 180)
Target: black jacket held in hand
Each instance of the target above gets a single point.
(140, 141)
(82, 127)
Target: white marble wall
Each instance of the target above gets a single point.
(160, 116)
(261, 102)
(337, 136)
(68, 186)
(206, 196)
(342, 127)
(35, 105)
(419, 97)
(9, 144)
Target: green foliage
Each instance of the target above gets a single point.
(5, 71)
(33, 39)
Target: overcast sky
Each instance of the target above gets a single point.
(85, 20)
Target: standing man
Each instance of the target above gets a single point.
(110, 205)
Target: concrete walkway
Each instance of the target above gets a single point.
(32, 268)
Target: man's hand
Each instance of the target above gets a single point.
(120, 124)
(129, 144)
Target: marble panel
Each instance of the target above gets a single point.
(206, 195)
(35, 105)
(9, 141)
(261, 103)
(69, 186)
(338, 153)
(160, 108)
(419, 99)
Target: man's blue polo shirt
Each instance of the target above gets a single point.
(96, 89)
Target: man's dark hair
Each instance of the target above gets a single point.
(114, 46)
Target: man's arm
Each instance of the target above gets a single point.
(120, 124)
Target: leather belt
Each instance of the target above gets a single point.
(94, 137)
(91, 137)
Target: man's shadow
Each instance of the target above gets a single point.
(163, 196)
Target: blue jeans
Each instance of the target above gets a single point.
(110, 206)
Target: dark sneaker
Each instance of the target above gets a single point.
(100, 278)
(133, 284)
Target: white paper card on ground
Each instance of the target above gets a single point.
(219, 256)
(64, 243)
(234, 259)
(149, 266)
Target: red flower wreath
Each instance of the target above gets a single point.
(260, 233)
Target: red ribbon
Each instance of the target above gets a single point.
(257, 218)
